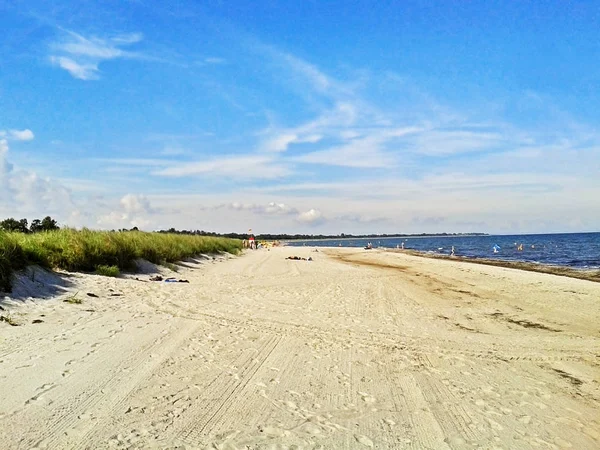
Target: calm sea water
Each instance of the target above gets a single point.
(578, 250)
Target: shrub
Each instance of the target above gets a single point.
(73, 299)
(107, 271)
(12, 257)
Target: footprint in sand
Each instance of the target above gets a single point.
(367, 398)
(364, 440)
(291, 405)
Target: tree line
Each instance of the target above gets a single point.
(48, 224)
(291, 237)
(23, 226)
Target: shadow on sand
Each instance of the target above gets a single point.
(37, 282)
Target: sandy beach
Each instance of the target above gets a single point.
(355, 349)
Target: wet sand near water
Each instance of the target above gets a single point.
(355, 349)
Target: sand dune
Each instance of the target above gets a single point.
(355, 349)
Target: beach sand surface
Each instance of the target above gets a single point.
(355, 349)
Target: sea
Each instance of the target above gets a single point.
(575, 250)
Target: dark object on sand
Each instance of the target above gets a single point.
(156, 278)
(297, 258)
(91, 294)
(115, 294)
(38, 321)
(174, 280)
(9, 321)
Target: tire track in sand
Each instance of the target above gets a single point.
(81, 400)
(224, 394)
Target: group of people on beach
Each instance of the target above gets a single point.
(249, 243)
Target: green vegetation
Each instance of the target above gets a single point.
(9, 320)
(73, 299)
(86, 250)
(108, 271)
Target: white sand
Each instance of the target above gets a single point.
(263, 352)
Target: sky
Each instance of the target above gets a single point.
(302, 117)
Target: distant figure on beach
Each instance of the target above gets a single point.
(452, 253)
(496, 247)
(403, 246)
(520, 247)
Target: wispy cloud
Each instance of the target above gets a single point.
(81, 56)
(245, 167)
(87, 71)
(456, 141)
(214, 60)
(270, 209)
(281, 142)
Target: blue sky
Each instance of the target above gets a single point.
(316, 117)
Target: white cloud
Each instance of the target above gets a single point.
(21, 135)
(136, 204)
(312, 217)
(279, 208)
(81, 56)
(132, 211)
(25, 193)
(16, 135)
(280, 143)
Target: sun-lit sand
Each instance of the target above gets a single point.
(355, 349)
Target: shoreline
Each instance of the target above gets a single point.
(565, 271)
(580, 261)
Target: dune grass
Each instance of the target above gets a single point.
(108, 271)
(87, 250)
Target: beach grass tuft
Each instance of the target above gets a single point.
(86, 250)
(108, 271)
(73, 299)
(9, 320)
